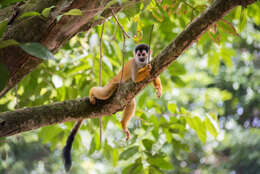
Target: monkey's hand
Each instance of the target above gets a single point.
(143, 73)
(158, 86)
(92, 97)
(125, 129)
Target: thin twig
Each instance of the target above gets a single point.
(100, 59)
(190, 6)
(123, 61)
(150, 39)
(100, 80)
(125, 33)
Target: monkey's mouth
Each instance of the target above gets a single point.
(142, 59)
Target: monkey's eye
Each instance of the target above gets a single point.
(143, 54)
(138, 54)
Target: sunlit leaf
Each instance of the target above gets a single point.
(172, 107)
(115, 157)
(196, 124)
(226, 55)
(227, 27)
(210, 127)
(46, 11)
(29, 14)
(214, 62)
(74, 12)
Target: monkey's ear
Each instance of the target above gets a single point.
(151, 52)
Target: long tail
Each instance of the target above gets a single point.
(66, 152)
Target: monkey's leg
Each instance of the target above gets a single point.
(127, 115)
(143, 73)
(101, 93)
(158, 86)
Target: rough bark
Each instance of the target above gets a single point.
(48, 31)
(21, 120)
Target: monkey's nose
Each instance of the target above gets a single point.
(142, 59)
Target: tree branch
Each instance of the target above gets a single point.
(21, 120)
(49, 32)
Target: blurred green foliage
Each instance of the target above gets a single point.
(202, 122)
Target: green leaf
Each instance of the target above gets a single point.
(177, 69)
(142, 98)
(29, 14)
(214, 62)
(4, 76)
(115, 157)
(178, 81)
(155, 170)
(74, 12)
(128, 153)
(199, 127)
(107, 150)
(92, 146)
(160, 162)
(168, 135)
(210, 127)
(243, 20)
(46, 11)
(172, 107)
(132, 10)
(7, 43)
(5, 3)
(214, 116)
(37, 50)
(227, 27)
(226, 55)
(136, 168)
(48, 133)
(3, 25)
(148, 144)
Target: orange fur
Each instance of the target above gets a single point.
(105, 92)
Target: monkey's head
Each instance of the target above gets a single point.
(141, 54)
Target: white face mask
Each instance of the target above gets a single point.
(141, 57)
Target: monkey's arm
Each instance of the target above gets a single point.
(158, 86)
(142, 73)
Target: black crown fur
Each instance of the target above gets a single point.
(142, 47)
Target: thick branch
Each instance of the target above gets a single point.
(21, 120)
(47, 31)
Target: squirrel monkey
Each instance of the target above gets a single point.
(136, 69)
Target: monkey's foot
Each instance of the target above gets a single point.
(127, 134)
(158, 92)
(92, 99)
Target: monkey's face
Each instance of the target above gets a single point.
(141, 56)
